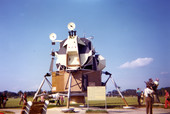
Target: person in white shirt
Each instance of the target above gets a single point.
(148, 98)
(156, 84)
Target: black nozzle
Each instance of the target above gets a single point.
(69, 33)
(74, 33)
(53, 43)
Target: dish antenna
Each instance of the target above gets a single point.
(71, 26)
(53, 36)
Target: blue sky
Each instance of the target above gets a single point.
(132, 35)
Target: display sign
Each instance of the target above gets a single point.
(96, 93)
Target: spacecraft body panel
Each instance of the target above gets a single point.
(61, 59)
(78, 53)
(80, 80)
(76, 58)
(56, 84)
(72, 53)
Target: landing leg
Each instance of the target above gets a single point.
(121, 95)
(68, 95)
(69, 89)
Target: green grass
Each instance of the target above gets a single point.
(117, 102)
(112, 102)
(96, 111)
(14, 102)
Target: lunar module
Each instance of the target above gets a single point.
(78, 66)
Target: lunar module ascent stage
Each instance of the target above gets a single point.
(78, 66)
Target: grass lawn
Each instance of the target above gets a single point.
(96, 111)
(117, 102)
(112, 102)
(14, 102)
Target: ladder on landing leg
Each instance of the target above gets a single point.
(35, 107)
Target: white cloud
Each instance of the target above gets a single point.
(139, 62)
(164, 73)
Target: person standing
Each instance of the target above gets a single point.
(0, 99)
(58, 101)
(142, 97)
(25, 98)
(166, 99)
(4, 99)
(43, 96)
(138, 92)
(21, 98)
(155, 87)
(62, 100)
(148, 98)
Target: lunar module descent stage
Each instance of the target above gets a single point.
(78, 66)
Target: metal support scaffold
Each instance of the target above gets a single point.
(69, 90)
(42, 83)
(117, 88)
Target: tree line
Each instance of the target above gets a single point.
(127, 92)
(132, 92)
(17, 94)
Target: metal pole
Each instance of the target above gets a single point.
(39, 89)
(69, 89)
(105, 104)
(51, 65)
(50, 85)
(119, 91)
(88, 103)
